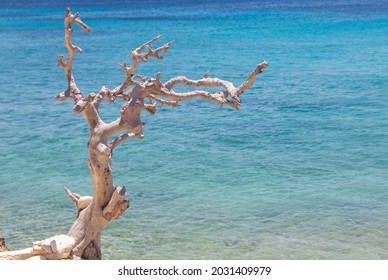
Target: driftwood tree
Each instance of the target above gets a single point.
(137, 94)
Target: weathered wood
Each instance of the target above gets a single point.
(80, 202)
(108, 202)
(54, 248)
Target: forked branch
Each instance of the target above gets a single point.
(138, 56)
(72, 90)
(167, 90)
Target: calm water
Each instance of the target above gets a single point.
(299, 172)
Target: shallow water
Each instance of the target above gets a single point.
(299, 172)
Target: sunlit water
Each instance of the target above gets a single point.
(299, 172)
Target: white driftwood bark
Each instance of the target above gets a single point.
(108, 202)
(54, 248)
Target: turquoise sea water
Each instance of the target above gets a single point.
(299, 172)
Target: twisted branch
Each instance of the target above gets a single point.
(137, 57)
(167, 89)
(72, 90)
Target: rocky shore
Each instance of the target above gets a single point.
(3, 248)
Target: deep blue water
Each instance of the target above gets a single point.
(299, 172)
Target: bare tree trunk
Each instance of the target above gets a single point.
(108, 202)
